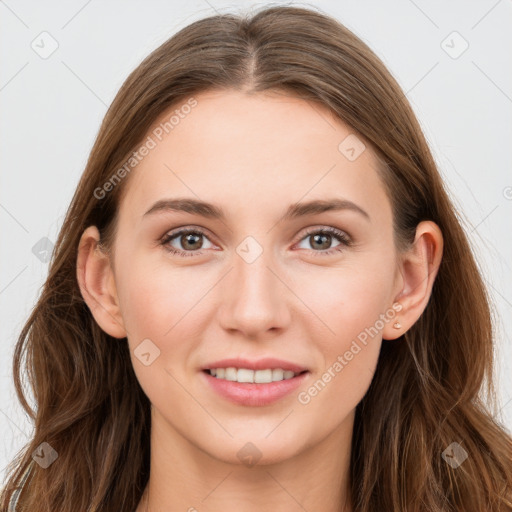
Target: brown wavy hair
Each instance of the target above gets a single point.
(429, 386)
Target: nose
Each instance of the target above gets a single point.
(255, 299)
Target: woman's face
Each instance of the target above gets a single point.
(270, 279)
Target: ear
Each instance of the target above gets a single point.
(97, 284)
(418, 270)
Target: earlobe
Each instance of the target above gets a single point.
(97, 284)
(418, 271)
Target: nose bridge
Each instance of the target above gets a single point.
(255, 301)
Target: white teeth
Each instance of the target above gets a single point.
(230, 373)
(277, 374)
(262, 376)
(245, 375)
(255, 376)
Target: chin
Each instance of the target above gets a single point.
(258, 450)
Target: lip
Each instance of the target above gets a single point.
(250, 394)
(260, 364)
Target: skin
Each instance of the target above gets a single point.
(253, 155)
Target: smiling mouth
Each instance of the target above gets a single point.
(246, 375)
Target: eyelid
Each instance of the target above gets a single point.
(186, 228)
(327, 229)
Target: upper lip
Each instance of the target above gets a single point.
(260, 364)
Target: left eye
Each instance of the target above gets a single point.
(325, 237)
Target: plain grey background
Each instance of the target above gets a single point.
(61, 66)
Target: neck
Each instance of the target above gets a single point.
(184, 477)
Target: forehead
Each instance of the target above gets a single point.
(250, 153)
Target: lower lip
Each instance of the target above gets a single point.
(247, 393)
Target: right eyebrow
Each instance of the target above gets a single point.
(187, 205)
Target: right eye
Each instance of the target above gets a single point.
(189, 239)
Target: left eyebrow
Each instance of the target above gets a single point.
(321, 206)
(294, 211)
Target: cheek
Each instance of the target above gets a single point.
(154, 295)
(348, 299)
(161, 304)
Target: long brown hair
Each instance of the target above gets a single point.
(427, 390)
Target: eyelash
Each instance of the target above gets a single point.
(344, 240)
